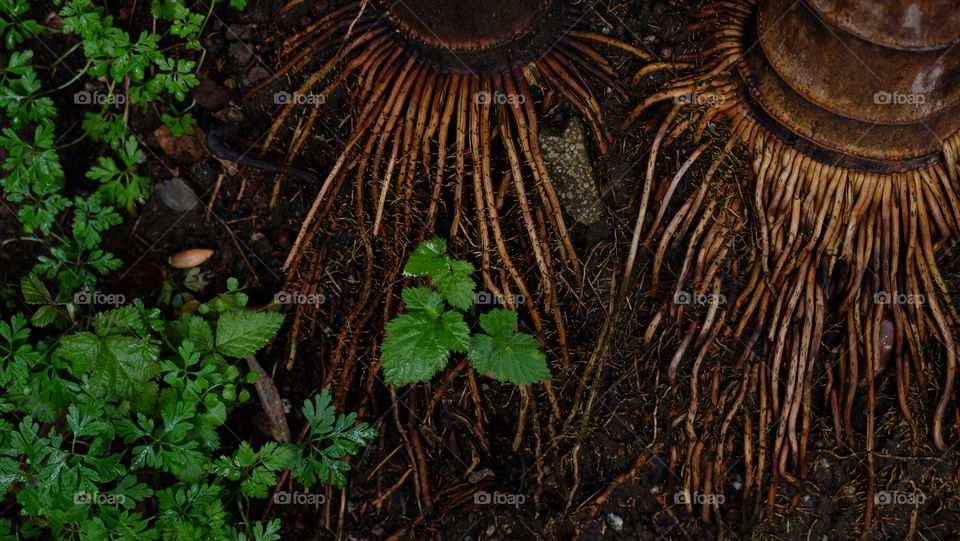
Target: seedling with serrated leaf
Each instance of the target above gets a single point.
(419, 343)
(449, 276)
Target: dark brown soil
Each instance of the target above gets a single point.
(252, 232)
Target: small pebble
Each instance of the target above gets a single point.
(615, 522)
(177, 195)
(256, 74)
(241, 52)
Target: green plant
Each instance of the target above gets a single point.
(127, 408)
(109, 421)
(119, 74)
(419, 343)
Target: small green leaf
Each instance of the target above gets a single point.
(418, 345)
(200, 334)
(422, 298)
(34, 291)
(428, 259)
(243, 333)
(44, 315)
(115, 364)
(511, 356)
(451, 277)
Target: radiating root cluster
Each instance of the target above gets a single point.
(829, 245)
(424, 139)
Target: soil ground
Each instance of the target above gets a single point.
(252, 222)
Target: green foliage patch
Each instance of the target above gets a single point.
(420, 342)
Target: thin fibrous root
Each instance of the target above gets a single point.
(863, 244)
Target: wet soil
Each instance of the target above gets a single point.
(251, 219)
